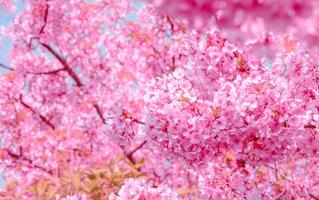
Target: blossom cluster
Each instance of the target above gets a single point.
(135, 190)
(73, 197)
(178, 99)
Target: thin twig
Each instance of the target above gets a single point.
(34, 73)
(6, 67)
(43, 118)
(130, 155)
(65, 65)
(170, 22)
(46, 73)
(45, 19)
(99, 112)
(20, 156)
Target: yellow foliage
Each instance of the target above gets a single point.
(240, 61)
(10, 76)
(184, 99)
(41, 187)
(97, 183)
(216, 112)
(21, 115)
(187, 190)
(124, 74)
(289, 44)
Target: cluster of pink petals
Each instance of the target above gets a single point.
(244, 20)
(140, 190)
(73, 197)
(8, 5)
(291, 180)
(196, 12)
(222, 99)
(227, 114)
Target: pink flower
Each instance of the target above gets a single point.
(140, 190)
(73, 197)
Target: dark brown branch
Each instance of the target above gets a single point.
(127, 115)
(6, 67)
(46, 73)
(170, 22)
(155, 50)
(99, 112)
(45, 19)
(173, 63)
(130, 155)
(313, 196)
(43, 119)
(311, 126)
(65, 65)
(20, 157)
(35, 73)
(42, 29)
(73, 75)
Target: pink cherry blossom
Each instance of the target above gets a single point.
(73, 197)
(134, 189)
(8, 5)
(200, 99)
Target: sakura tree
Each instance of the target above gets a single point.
(189, 99)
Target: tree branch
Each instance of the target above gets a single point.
(35, 73)
(6, 67)
(130, 155)
(99, 112)
(45, 19)
(313, 196)
(65, 65)
(20, 156)
(170, 23)
(79, 83)
(46, 73)
(43, 119)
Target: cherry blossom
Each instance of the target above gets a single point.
(8, 5)
(73, 197)
(121, 99)
(133, 189)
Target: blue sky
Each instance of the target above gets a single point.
(5, 20)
